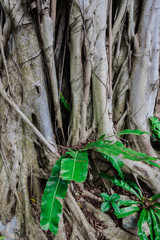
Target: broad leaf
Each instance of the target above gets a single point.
(127, 202)
(155, 197)
(156, 225)
(143, 218)
(75, 167)
(51, 208)
(105, 206)
(105, 196)
(129, 131)
(124, 212)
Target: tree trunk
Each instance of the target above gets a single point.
(53, 47)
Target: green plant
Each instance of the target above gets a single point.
(155, 127)
(73, 166)
(148, 208)
(64, 102)
(110, 201)
(2, 237)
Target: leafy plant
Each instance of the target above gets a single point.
(64, 102)
(73, 166)
(148, 209)
(110, 201)
(2, 237)
(155, 127)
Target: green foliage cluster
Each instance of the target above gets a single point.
(155, 127)
(148, 208)
(73, 166)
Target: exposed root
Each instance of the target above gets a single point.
(77, 215)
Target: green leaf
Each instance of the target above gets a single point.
(115, 206)
(143, 218)
(115, 197)
(125, 185)
(127, 202)
(155, 127)
(135, 186)
(105, 206)
(95, 144)
(116, 162)
(106, 176)
(76, 167)
(135, 132)
(150, 224)
(124, 212)
(156, 225)
(155, 197)
(157, 212)
(156, 204)
(153, 164)
(117, 148)
(120, 183)
(2, 237)
(64, 102)
(105, 196)
(51, 208)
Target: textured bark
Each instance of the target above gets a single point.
(63, 46)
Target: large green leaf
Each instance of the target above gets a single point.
(51, 208)
(127, 202)
(156, 225)
(143, 218)
(75, 167)
(127, 211)
(129, 131)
